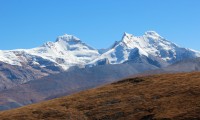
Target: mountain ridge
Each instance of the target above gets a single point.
(69, 50)
(150, 44)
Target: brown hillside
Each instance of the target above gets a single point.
(157, 97)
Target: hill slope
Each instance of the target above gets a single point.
(66, 83)
(158, 97)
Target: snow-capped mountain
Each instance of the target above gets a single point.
(23, 65)
(65, 52)
(69, 51)
(150, 45)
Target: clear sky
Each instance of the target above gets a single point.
(30, 23)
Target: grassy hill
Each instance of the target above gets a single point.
(156, 97)
(67, 83)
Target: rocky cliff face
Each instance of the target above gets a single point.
(12, 75)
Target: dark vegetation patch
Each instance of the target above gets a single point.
(131, 80)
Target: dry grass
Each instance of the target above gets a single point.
(157, 97)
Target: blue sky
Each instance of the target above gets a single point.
(30, 23)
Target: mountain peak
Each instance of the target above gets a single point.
(128, 38)
(152, 33)
(127, 35)
(67, 38)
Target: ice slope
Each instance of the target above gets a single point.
(65, 52)
(150, 44)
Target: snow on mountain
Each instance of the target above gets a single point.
(65, 52)
(150, 44)
(69, 50)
